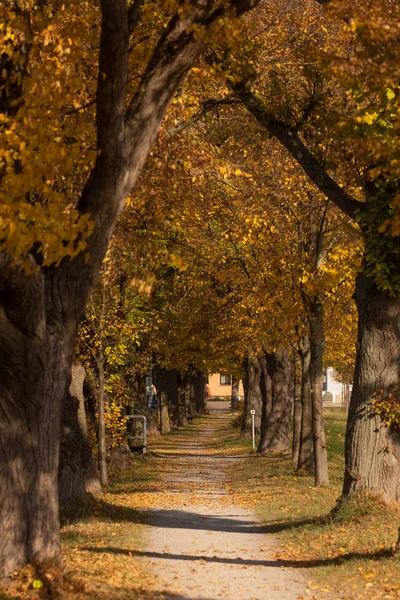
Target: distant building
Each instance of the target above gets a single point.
(335, 392)
(220, 386)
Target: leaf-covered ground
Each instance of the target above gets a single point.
(106, 541)
(347, 555)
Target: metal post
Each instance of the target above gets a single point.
(253, 428)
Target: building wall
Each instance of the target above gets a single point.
(338, 390)
(222, 390)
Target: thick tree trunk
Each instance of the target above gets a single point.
(373, 451)
(235, 394)
(77, 473)
(162, 382)
(306, 454)
(317, 345)
(92, 481)
(34, 371)
(266, 395)
(164, 413)
(199, 382)
(252, 397)
(101, 422)
(297, 409)
(152, 415)
(182, 404)
(139, 395)
(277, 428)
(192, 401)
(172, 389)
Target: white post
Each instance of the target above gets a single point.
(253, 428)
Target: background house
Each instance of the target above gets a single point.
(335, 392)
(221, 385)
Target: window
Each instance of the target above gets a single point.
(225, 379)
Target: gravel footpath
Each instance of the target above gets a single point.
(204, 546)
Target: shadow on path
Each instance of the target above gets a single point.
(292, 564)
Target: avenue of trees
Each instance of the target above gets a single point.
(242, 214)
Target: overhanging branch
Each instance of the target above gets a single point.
(290, 139)
(208, 106)
(134, 14)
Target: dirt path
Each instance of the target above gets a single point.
(200, 544)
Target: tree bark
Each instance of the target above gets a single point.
(101, 422)
(182, 404)
(35, 369)
(266, 395)
(306, 454)
(373, 451)
(252, 397)
(192, 400)
(77, 472)
(163, 380)
(297, 409)
(172, 389)
(235, 394)
(317, 345)
(277, 428)
(139, 395)
(199, 382)
(164, 413)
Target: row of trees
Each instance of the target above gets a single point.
(272, 182)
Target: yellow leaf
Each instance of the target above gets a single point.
(390, 94)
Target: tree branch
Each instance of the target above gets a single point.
(208, 106)
(134, 15)
(289, 138)
(242, 6)
(125, 137)
(113, 76)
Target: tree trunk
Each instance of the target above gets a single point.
(182, 401)
(235, 394)
(172, 389)
(101, 422)
(277, 428)
(92, 481)
(252, 398)
(317, 345)
(34, 370)
(139, 395)
(297, 409)
(266, 395)
(77, 473)
(373, 451)
(192, 401)
(306, 454)
(164, 413)
(199, 382)
(163, 380)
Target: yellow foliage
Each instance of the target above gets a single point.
(115, 423)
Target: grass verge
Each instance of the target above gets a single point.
(347, 555)
(101, 538)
